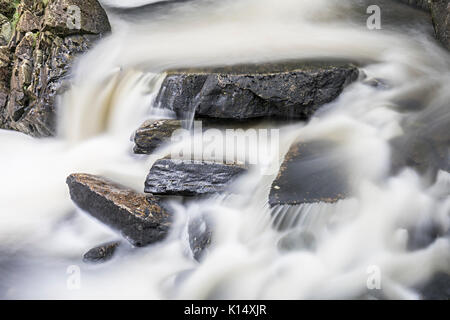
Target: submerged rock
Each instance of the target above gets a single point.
(200, 235)
(152, 134)
(140, 218)
(438, 288)
(190, 177)
(440, 11)
(242, 92)
(101, 253)
(311, 172)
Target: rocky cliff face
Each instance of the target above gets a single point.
(35, 59)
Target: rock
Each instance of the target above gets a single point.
(7, 7)
(152, 134)
(423, 154)
(140, 218)
(311, 172)
(93, 19)
(41, 58)
(242, 92)
(101, 253)
(190, 177)
(440, 12)
(200, 235)
(297, 240)
(5, 75)
(28, 22)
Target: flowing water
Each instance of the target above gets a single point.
(257, 252)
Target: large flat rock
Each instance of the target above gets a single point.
(190, 177)
(290, 90)
(311, 172)
(140, 218)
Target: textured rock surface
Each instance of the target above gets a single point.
(93, 18)
(440, 11)
(310, 173)
(140, 218)
(101, 253)
(189, 178)
(40, 61)
(200, 235)
(153, 134)
(241, 92)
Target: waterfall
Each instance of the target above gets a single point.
(113, 90)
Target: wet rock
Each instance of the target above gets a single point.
(101, 253)
(61, 17)
(440, 11)
(297, 240)
(152, 134)
(426, 156)
(200, 235)
(140, 218)
(242, 92)
(311, 172)
(190, 177)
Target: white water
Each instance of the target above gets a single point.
(112, 94)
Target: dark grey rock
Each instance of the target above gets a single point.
(190, 177)
(152, 134)
(101, 253)
(200, 235)
(242, 92)
(297, 240)
(311, 172)
(140, 218)
(440, 12)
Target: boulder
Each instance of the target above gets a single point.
(152, 134)
(101, 253)
(190, 177)
(140, 218)
(93, 19)
(440, 12)
(311, 172)
(291, 90)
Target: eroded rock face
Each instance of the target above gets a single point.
(152, 134)
(440, 11)
(242, 92)
(190, 177)
(311, 172)
(140, 218)
(40, 60)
